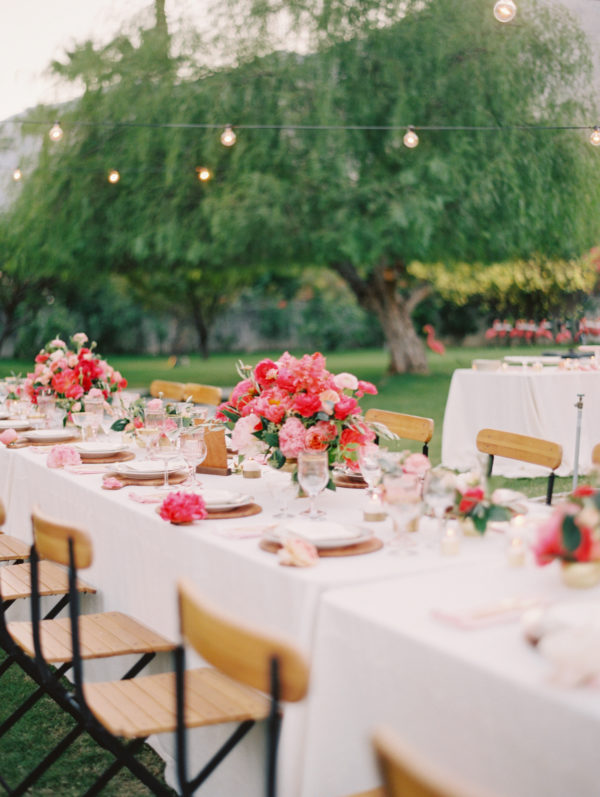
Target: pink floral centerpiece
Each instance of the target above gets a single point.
(72, 374)
(284, 407)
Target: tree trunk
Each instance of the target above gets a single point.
(379, 294)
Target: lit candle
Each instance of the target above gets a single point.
(516, 552)
(250, 469)
(374, 511)
(450, 542)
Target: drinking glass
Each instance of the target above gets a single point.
(193, 450)
(439, 493)
(281, 489)
(402, 496)
(95, 408)
(83, 421)
(370, 467)
(313, 475)
(46, 402)
(164, 445)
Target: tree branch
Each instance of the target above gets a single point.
(417, 296)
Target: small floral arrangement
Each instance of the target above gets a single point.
(181, 507)
(572, 532)
(283, 407)
(8, 436)
(61, 456)
(472, 503)
(72, 374)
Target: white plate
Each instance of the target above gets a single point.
(550, 359)
(48, 435)
(15, 423)
(322, 533)
(3, 414)
(90, 449)
(146, 469)
(222, 500)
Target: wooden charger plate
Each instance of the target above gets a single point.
(22, 443)
(120, 456)
(349, 480)
(128, 481)
(368, 546)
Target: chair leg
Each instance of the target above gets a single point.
(47, 762)
(29, 702)
(112, 770)
(490, 465)
(550, 489)
(214, 762)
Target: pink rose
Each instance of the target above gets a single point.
(183, 507)
(8, 436)
(418, 464)
(60, 456)
(296, 552)
(291, 437)
(346, 406)
(345, 381)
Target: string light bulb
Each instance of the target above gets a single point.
(228, 137)
(505, 10)
(204, 174)
(411, 139)
(595, 137)
(56, 132)
(17, 174)
(113, 176)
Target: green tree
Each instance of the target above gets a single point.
(370, 206)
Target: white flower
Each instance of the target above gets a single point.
(79, 338)
(56, 355)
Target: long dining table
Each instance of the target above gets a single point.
(138, 559)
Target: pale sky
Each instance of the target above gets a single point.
(35, 32)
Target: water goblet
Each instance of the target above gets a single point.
(164, 445)
(281, 489)
(402, 496)
(95, 408)
(193, 450)
(370, 467)
(83, 421)
(46, 402)
(313, 475)
(439, 493)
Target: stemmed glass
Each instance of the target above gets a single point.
(370, 467)
(164, 445)
(193, 450)
(402, 495)
(439, 493)
(313, 475)
(94, 407)
(82, 420)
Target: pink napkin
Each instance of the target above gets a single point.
(507, 610)
(147, 498)
(87, 469)
(242, 532)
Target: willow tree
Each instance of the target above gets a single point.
(368, 205)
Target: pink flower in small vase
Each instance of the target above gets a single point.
(418, 464)
(154, 405)
(111, 483)
(181, 507)
(296, 552)
(8, 436)
(96, 393)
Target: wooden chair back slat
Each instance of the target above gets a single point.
(410, 427)
(240, 652)
(407, 773)
(596, 454)
(52, 541)
(2, 514)
(535, 450)
(165, 389)
(202, 394)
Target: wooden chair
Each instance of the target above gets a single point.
(41, 642)
(409, 427)
(247, 665)
(12, 549)
(535, 450)
(161, 388)
(596, 454)
(407, 773)
(203, 394)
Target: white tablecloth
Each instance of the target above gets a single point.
(540, 404)
(477, 702)
(139, 557)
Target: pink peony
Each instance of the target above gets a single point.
(319, 435)
(265, 373)
(291, 437)
(183, 507)
(306, 404)
(296, 552)
(345, 381)
(60, 456)
(8, 436)
(243, 439)
(365, 387)
(346, 406)
(154, 405)
(418, 464)
(111, 483)
(329, 398)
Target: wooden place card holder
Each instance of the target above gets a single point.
(215, 462)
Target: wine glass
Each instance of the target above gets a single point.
(83, 421)
(402, 495)
(46, 402)
(94, 407)
(193, 450)
(370, 467)
(313, 475)
(164, 445)
(439, 493)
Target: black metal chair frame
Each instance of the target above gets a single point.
(549, 488)
(49, 683)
